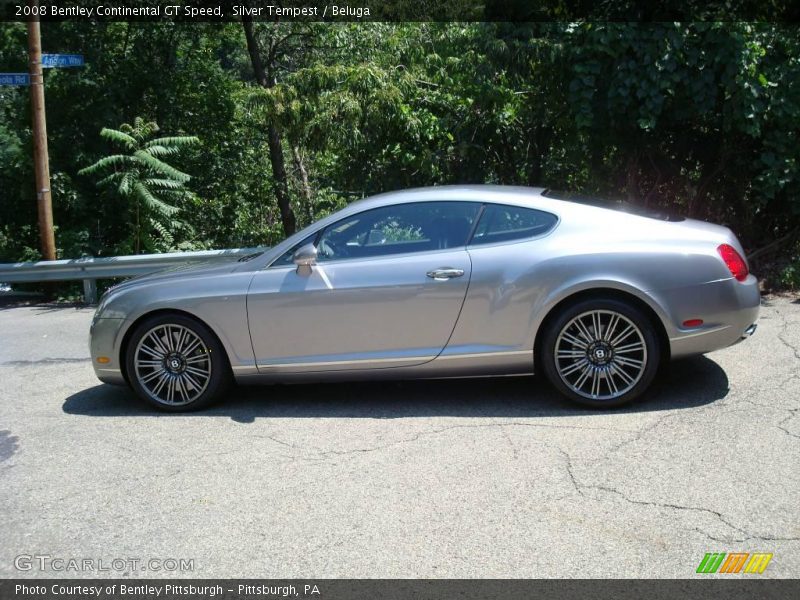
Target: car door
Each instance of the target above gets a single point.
(386, 291)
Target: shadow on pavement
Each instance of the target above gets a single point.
(35, 302)
(687, 383)
(9, 300)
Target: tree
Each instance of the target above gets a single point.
(701, 118)
(265, 75)
(144, 179)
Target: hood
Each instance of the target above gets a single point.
(178, 273)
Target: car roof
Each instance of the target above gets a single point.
(472, 192)
(454, 192)
(561, 203)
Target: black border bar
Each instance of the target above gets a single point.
(406, 10)
(723, 588)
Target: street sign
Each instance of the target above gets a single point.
(50, 61)
(15, 79)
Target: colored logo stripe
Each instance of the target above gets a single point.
(711, 562)
(734, 562)
(757, 563)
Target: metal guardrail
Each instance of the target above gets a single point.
(90, 269)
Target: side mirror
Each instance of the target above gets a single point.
(304, 257)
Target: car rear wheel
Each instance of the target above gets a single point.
(601, 353)
(176, 363)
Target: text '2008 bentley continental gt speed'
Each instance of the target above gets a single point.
(438, 282)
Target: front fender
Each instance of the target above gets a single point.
(219, 301)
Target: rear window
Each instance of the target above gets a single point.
(619, 205)
(502, 223)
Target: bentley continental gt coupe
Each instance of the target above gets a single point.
(451, 281)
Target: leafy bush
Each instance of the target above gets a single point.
(149, 184)
(790, 274)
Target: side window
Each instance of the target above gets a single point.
(399, 229)
(502, 223)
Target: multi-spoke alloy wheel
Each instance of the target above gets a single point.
(175, 363)
(172, 364)
(601, 352)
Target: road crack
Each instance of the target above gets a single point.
(581, 487)
(782, 333)
(317, 453)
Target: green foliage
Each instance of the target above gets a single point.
(145, 181)
(392, 231)
(790, 274)
(700, 118)
(699, 115)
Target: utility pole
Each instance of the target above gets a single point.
(41, 160)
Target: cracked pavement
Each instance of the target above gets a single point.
(471, 478)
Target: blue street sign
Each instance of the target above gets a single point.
(15, 79)
(50, 61)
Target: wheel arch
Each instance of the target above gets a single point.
(598, 293)
(123, 348)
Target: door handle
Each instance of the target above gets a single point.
(445, 273)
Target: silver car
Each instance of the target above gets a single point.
(451, 281)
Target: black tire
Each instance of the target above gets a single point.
(190, 390)
(607, 366)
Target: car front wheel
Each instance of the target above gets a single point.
(601, 353)
(176, 363)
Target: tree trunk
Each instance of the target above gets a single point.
(305, 187)
(632, 179)
(266, 78)
(281, 184)
(698, 207)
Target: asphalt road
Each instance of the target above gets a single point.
(478, 478)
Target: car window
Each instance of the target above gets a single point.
(502, 223)
(399, 229)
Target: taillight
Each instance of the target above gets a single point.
(733, 261)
